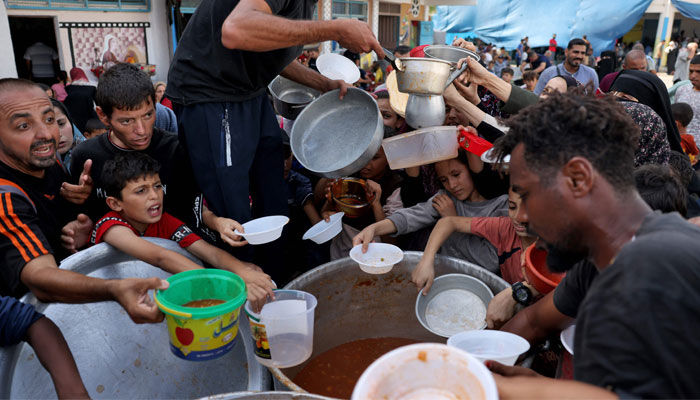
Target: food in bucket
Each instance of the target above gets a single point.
(454, 311)
(204, 303)
(342, 365)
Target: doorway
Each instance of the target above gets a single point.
(25, 31)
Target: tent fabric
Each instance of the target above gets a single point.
(688, 10)
(505, 22)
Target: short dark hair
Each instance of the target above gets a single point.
(566, 125)
(402, 50)
(682, 112)
(681, 166)
(94, 124)
(576, 42)
(531, 53)
(57, 104)
(661, 189)
(124, 87)
(62, 76)
(7, 84)
(124, 168)
(507, 70)
(695, 60)
(529, 75)
(382, 94)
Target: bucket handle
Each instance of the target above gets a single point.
(170, 310)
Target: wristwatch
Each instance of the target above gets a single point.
(521, 293)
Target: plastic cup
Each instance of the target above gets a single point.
(426, 371)
(500, 346)
(283, 331)
(199, 334)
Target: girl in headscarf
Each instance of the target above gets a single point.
(69, 135)
(653, 142)
(645, 88)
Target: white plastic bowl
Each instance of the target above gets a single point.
(426, 371)
(379, 258)
(337, 67)
(567, 338)
(263, 230)
(424, 146)
(500, 346)
(324, 231)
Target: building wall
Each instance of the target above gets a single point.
(157, 36)
(7, 62)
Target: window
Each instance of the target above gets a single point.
(350, 9)
(97, 5)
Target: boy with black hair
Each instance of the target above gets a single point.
(93, 128)
(507, 74)
(135, 196)
(661, 188)
(683, 116)
(21, 322)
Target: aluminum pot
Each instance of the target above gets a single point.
(428, 76)
(118, 358)
(425, 111)
(289, 97)
(353, 305)
(335, 138)
(451, 54)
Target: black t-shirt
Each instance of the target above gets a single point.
(637, 327)
(182, 196)
(203, 70)
(570, 292)
(32, 213)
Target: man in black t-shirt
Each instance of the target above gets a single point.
(126, 104)
(33, 208)
(229, 53)
(633, 275)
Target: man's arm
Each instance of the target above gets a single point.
(538, 321)
(243, 30)
(51, 284)
(307, 76)
(540, 67)
(525, 387)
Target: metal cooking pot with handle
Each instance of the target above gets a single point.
(426, 76)
(335, 138)
(289, 97)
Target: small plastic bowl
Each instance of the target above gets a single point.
(567, 338)
(380, 258)
(426, 371)
(536, 271)
(263, 230)
(500, 346)
(334, 66)
(324, 231)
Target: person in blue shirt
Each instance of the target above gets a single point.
(572, 66)
(537, 62)
(21, 322)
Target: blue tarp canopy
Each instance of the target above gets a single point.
(505, 22)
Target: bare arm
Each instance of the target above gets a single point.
(225, 227)
(307, 76)
(55, 356)
(252, 26)
(126, 240)
(52, 284)
(311, 212)
(381, 228)
(522, 387)
(536, 322)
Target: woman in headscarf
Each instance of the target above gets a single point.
(80, 99)
(653, 142)
(645, 88)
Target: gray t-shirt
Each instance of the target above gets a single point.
(42, 57)
(687, 94)
(467, 247)
(584, 75)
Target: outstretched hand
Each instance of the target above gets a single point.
(79, 193)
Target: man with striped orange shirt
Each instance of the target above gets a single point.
(35, 203)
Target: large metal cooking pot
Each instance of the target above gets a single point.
(289, 97)
(425, 111)
(266, 396)
(353, 305)
(335, 138)
(118, 358)
(427, 76)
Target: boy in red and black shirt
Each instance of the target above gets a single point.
(135, 195)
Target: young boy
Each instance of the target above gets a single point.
(683, 115)
(135, 196)
(529, 80)
(21, 322)
(507, 74)
(93, 128)
(510, 237)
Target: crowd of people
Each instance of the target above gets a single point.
(600, 172)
